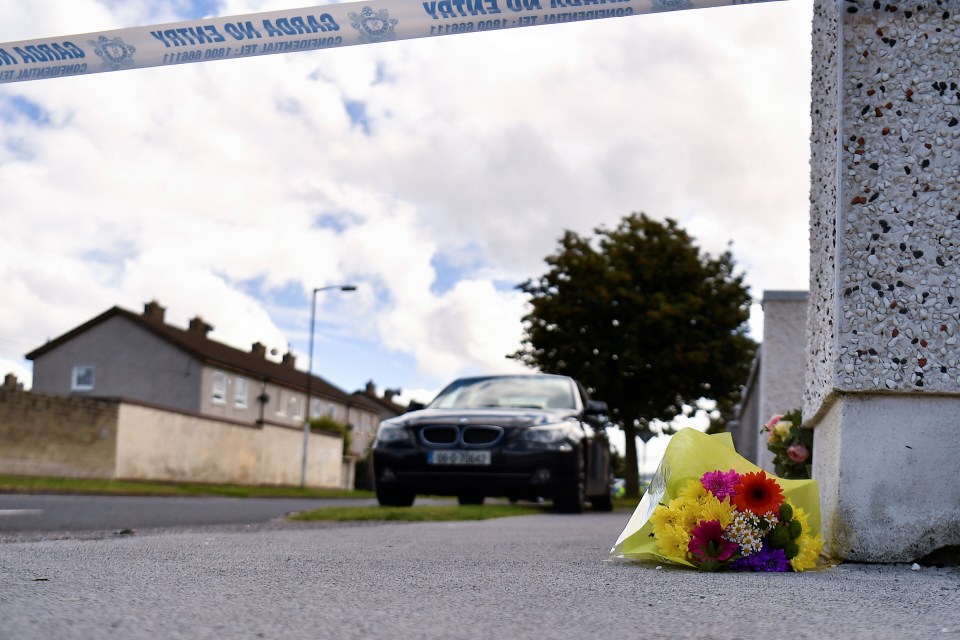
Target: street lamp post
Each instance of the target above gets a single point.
(306, 420)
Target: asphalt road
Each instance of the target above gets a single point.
(28, 514)
(544, 576)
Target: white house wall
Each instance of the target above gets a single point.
(364, 422)
(783, 358)
(160, 445)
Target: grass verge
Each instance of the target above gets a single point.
(93, 486)
(425, 513)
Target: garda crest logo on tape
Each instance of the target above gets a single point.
(116, 54)
(375, 27)
(325, 27)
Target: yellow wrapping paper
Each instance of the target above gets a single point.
(689, 455)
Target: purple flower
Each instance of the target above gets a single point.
(766, 559)
(720, 483)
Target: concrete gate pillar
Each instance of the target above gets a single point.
(883, 360)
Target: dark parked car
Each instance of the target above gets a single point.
(519, 437)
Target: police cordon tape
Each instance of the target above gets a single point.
(325, 27)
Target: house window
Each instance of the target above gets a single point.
(296, 406)
(281, 403)
(240, 393)
(316, 408)
(219, 395)
(82, 378)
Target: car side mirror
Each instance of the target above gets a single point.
(415, 406)
(597, 408)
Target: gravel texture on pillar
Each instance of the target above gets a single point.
(883, 360)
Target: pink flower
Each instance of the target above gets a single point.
(798, 453)
(720, 483)
(771, 434)
(773, 422)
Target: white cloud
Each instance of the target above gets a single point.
(184, 184)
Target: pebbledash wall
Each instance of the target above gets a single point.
(113, 439)
(883, 362)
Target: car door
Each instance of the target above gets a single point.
(598, 457)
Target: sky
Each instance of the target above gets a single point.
(433, 174)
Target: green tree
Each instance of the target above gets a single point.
(640, 314)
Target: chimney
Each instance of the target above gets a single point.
(371, 389)
(153, 312)
(390, 394)
(199, 328)
(258, 350)
(289, 360)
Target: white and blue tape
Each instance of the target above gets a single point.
(323, 27)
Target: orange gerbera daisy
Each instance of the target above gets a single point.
(758, 493)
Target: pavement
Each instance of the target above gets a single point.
(544, 576)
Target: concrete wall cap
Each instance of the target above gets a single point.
(784, 295)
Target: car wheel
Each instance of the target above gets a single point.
(572, 497)
(394, 497)
(470, 499)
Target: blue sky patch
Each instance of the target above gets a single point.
(110, 263)
(383, 76)
(202, 9)
(357, 110)
(504, 286)
(18, 107)
(336, 221)
(449, 273)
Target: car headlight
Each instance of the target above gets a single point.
(392, 433)
(550, 434)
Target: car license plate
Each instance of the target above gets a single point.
(459, 457)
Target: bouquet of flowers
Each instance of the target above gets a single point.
(791, 444)
(711, 509)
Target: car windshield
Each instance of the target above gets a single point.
(536, 392)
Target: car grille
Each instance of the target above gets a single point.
(440, 435)
(478, 436)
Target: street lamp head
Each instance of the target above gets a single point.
(341, 287)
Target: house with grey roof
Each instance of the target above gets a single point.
(184, 407)
(121, 354)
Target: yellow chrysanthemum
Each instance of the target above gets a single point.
(697, 504)
(713, 509)
(673, 542)
(800, 516)
(663, 517)
(694, 491)
(686, 510)
(810, 546)
(690, 515)
(810, 549)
